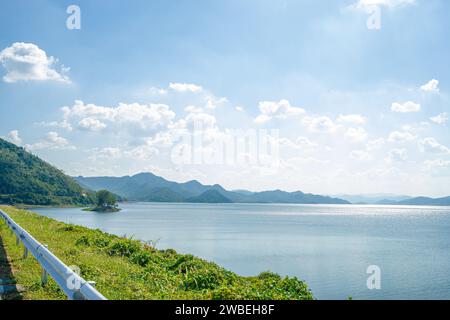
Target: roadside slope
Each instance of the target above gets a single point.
(128, 269)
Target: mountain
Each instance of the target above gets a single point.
(425, 201)
(210, 196)
(152, 188)
(26, 179)
(376, 198)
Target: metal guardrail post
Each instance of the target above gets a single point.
(74, 286)
(44, 275)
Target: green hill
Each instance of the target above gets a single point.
(26, 179)
(210, 196)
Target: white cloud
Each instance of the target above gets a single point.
(27, 62)
(319, 124)
(193, 109)
(361, 155)
(212, 102)
(430, 145)
(200, 121)
(300, 143)
(406, 107)
(432, 86)
(185, 87)
(303, 142)
(105, 153)
(239, 109)
(400, 137)
(63, 124)
(156, 91)
(13, 136)
(278, 110)
(144, 152)
(91, 124)
(397, 155)
(144, 117)
(51, 141)
(437, 163)
(375, 144)
(356, 134)
(440, 118)
(355, 119)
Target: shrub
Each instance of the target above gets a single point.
(84, 241)
(267, 275)
(124, 247)
(141, 258)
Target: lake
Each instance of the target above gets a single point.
(328, 246)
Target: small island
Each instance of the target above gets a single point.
(105, 202)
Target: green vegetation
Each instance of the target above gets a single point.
(26, 179)
(105, 202)
(129, 269)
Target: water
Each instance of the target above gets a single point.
(330, 247)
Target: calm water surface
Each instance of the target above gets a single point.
(330, 247)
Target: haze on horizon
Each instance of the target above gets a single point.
(350, 110)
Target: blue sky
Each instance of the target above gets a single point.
(356, 110)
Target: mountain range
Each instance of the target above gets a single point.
(152, 188)
(392, 199)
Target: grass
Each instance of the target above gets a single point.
(130, 269)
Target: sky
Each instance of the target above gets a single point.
(348, 96)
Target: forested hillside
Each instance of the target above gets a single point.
(26, 179)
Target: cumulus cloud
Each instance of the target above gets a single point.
(437, 163)
(141, 116)
(51, 141)
(431, 145)
(193, 109)
(304, 143)
(185, 87)
(356, 134)
(397, 155)
(375, 144)
(13, 136)
(440, 118)
(276, 110)
(361, 155)
(27, 62)
(406, 107)
(91, 124)
(105, 153)
(431, 87)
(319, 124)
(400, 137)
(355, 119)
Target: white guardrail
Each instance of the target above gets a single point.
(74, 286)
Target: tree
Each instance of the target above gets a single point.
(106, 199)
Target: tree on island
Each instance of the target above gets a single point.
(106, 201)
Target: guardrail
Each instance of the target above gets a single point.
(74, 286)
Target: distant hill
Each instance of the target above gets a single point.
(152, 188)
(210, 196)
(422, 201)
(376, 198)
(26, 179)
